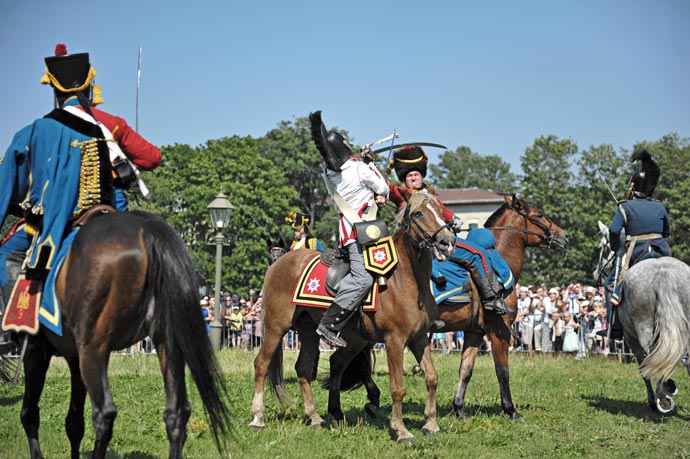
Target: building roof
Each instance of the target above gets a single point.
(468, 196)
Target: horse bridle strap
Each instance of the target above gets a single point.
(427, 240)
(547, 236)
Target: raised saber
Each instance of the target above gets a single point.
(607, 185)
(138, 82)
(142, 186)
(410, 144)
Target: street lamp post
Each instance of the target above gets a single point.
(220, 210)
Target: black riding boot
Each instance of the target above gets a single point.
(332, 324)
(489, 287)
(491, 292)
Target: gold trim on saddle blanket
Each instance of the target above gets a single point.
(310, 289)
(380, 257)
(21, 314)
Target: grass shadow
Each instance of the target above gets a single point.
(9, 401)
(639, 410)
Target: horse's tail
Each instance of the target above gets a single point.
(671, 333)
(178, 322)
(357, 371)
(275, 378)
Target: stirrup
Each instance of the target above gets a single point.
(497, 305)
(437, 325)
(330, 336)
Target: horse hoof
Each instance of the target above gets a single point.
(517, 417)
(430, 429)
(256, 427)
(409, 438)
(665, 405)
(316, 422)
(372, 410)
(460, 414)
(416, 370)
(670, 387)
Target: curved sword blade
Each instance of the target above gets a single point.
(410, 144)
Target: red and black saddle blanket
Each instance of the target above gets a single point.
(310, 289)
(22, 309)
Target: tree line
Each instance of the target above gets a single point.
(268, 177)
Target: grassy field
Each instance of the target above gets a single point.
(595, 407)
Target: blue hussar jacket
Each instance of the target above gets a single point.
(41, 173)
(639, 217)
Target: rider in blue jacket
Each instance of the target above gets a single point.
(646, 225)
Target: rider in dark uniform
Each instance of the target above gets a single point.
(645, 223)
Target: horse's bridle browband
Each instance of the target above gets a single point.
(547, 237)
(427, 240)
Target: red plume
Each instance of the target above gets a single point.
(60, 49)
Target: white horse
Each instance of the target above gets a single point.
(655, 314)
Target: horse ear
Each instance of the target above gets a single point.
(269, 243)
(405, 193)
(514, 202)
(281, 243)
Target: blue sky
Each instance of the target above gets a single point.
(491, 75)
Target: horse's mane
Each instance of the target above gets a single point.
(491, 221)
(416, 200)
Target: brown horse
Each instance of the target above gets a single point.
(405, 310)
(516, 226)
(127, 275)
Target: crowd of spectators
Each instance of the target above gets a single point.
(561, 320)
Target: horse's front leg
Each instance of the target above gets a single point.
(74, 422)
(36, 362)
(499, 348)
(177, 407)
(420, 349)
(470, 350)
(394, 353)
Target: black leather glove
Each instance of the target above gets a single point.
(440, 281)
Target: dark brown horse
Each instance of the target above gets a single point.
(405, 310)
(516, 226)
(127, 275)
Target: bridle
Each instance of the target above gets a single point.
(274, 253)
(546, 235)
(427, 240)
(604, 261)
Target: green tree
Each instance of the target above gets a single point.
(463, 168)
(547, 183)
(597, 188)
(291, 149)
(188, 181)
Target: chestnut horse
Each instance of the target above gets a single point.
(405, 311)
(126, 276)
(516, 226)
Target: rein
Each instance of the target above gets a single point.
(427, 239)
(547, 236)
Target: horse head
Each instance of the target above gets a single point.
(606, 256)
(539, 230)
(275, 250)
(422, 220)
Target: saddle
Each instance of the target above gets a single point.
(338, 266)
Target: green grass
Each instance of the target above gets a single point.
(596, 407)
